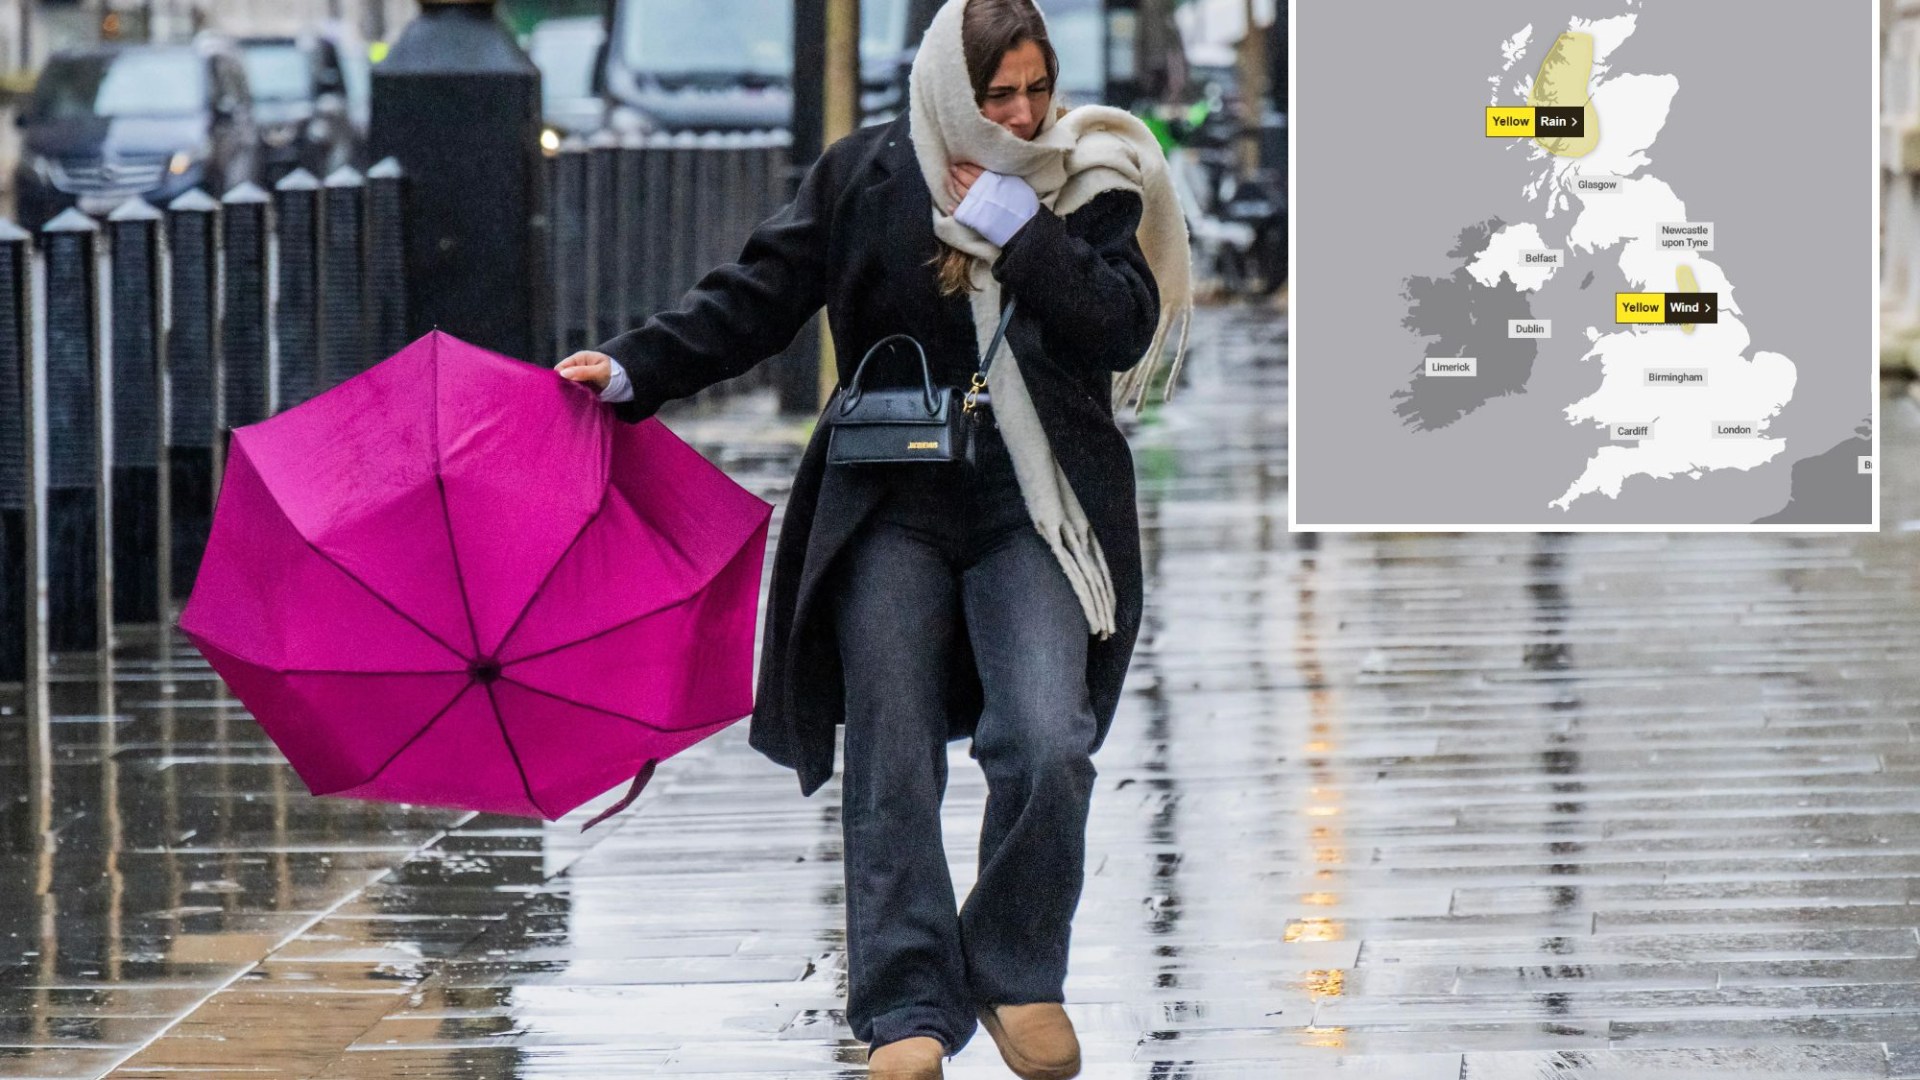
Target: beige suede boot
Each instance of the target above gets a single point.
(915, 1058)
(1037, 1040)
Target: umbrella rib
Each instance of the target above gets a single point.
(621, 625)
(446, 515)
(355, 578)
(416, 736)
(371, 591)
(551, 570)
(609, 712)
(525, 784)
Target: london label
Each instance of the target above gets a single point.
(1735, 429)
(1452, 366)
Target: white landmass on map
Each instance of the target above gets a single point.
(1502, 255)
(1632, 110)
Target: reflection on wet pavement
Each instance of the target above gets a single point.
(1407, 806)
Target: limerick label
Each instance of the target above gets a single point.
(1453, 366)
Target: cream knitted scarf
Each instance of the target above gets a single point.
(1076, 154)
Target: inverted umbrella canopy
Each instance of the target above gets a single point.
(456, 579)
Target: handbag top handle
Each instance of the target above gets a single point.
(852, 397)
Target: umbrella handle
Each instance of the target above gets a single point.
(639, 782)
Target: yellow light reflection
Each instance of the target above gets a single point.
(1332, 1038)
(1314, 929)
(1328, 983)
(1323, 811)
(1320, 899)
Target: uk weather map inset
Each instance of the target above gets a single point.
(1583, 265)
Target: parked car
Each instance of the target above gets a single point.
(731, 67)
(299, 105)
(106, 124)
(566, 51)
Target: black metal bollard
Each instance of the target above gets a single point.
(387, 258)
(79, 606)
(296, 318)
(630, 196)
(193, 384)
(603, 234)
(682, 150)
(244, 342)
(19, 564)
(708, 202)
(343, 289)
(138, 362)
(572, 255)
(656, 226)
(458, 104)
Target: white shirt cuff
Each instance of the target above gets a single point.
(619, 387)
(997, 205)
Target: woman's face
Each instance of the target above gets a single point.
(1020, 93)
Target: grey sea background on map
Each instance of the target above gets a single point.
(1789, 231)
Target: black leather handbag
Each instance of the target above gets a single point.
(907, 423)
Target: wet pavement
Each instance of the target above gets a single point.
(1407, 806)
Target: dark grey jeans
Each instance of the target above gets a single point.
(951, 551)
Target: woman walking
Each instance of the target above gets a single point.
(919, 603)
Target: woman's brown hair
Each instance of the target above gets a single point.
(989, 30)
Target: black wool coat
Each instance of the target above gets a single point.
(858, 238)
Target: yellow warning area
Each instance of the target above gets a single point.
(1563, 81)
(1639, 307)
(1687, 284)
(1509, 121)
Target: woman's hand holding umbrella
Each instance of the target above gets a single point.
(594, 369)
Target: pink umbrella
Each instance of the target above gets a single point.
(456, 579)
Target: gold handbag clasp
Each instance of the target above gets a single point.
(973, 391)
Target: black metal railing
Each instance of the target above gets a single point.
(129, 351)
(130, 348)
(638, 219)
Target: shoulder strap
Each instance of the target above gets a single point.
(1006, 316)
